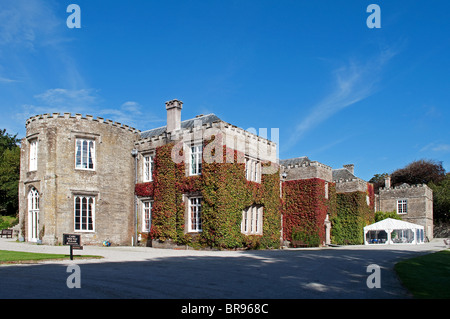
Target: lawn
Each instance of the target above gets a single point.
(427, 276)
(8, 256)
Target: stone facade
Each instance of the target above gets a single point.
(416, 206)
(304, 168)
(107, 188)
(80, 174)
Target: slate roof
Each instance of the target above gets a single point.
(186, 124)
(342, 173)
(295, 161)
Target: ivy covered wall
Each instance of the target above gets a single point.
(305, 207)
(353, 212)
(225, 194)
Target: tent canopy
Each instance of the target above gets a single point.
(393, 231)
(390, 223)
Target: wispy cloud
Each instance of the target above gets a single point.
(131, 113)
(7, 80)
(60, 101)
(353, 82)
(436, 147)
(64, 98)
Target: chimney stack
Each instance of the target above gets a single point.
(173, 115)
(387, 182)
(350, 168)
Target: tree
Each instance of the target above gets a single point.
(378, 181)
(7, 141)
(441, 199)
(9, 173)
(419, 172)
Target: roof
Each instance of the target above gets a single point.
(342, 173)
(390, 223)
(295, 161)
(186, 124)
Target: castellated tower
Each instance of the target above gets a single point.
(77, 176)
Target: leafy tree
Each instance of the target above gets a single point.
(419, 172)
(378, 181)
(428, 172)
(9, 173)
(383, 215)
(7, 141)
(441, 199)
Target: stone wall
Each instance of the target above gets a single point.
(307, 170)
(230, 136)
(419, 204)
(350, 186)
(58, 181)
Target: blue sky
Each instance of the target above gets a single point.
(338, 91)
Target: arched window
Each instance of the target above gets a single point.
(33, 214)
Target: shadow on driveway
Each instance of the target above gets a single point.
(270, 274)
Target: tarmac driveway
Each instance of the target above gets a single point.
(138, 272)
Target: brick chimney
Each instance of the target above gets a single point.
(350, 168)
(173, 115)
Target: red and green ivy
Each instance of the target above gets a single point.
(225, 192)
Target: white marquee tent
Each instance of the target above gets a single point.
(393, 231)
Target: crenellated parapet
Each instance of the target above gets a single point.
(304, 168)
(78, 116)
(403, 186)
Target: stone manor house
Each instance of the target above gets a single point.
(200, 182)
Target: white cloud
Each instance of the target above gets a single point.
(65, 97)
(7, 80)
(436, 147)
(131, 113)
(59, 101)
(353, 82)
(23, 22)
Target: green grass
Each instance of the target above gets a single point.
(428, 276)
(8, 256)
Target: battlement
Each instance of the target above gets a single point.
(306, 164)
(342, 180)
(79, 116)
(304, 168)
(403, 186)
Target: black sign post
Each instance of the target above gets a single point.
(74, 241)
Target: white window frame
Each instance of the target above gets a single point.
(195, 159)
(86, 214)
(33, 215)
(147, 207)
(252, 169)
(148, 168)
(402, 206)
(195, 214)
(252, 220)
(85, 158)
(33, 154)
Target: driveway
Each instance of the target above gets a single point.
(140, 272)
